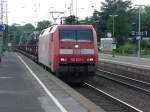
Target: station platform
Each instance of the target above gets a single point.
(126, 60)
(27, 87)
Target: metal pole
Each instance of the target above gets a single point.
(139, 34)
(113, 16)
(113, 25)
(72, 8)
(76, 8)
(113, 49)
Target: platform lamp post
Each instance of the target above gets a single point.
(113, 16)
(139, 32)
(114, 42)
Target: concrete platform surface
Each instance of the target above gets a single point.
(133, 61)
(26, 87)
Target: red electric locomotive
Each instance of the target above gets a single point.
(70, 51)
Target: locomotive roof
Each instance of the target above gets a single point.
(68, 27)
(62, 27)
(74, 26)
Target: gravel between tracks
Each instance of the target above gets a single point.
(128, 95)
(143, 86)
(100, 99)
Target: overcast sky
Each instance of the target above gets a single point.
(30, 11)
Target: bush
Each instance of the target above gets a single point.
(8, 49)
(126, 49)
(145, 45)
(147, 51)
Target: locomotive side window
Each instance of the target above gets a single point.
(67, 36)
(84, 36)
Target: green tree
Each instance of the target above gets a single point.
(72, 19)
(101, 17)
(16, 31)
(123, 26)
(86, 21)
(43, 24)
(145, 15)
(28, 28)
(97, 23)
(103, 21)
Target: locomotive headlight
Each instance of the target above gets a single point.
(76, 46)
(63, 59)
(90, 59)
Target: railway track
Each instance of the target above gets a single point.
(136, 84)
(105, 100)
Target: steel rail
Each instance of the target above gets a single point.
(138, 82)
(126, 105)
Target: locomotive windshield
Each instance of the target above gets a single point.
(67, 36)
(76, 35)
(84, 36)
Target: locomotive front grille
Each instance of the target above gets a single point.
(77, 68)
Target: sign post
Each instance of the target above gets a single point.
(109, 35)
(1, 45)
(113, 49)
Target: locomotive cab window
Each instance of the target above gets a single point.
(84, 36)
(67, 36)
(76, 35)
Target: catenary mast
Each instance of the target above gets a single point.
(3, 24)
